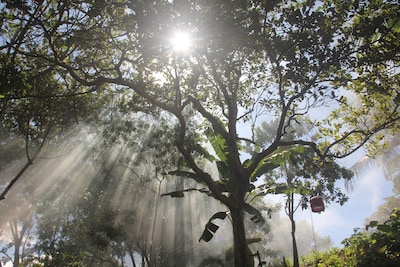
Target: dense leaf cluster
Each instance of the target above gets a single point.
(378, 246)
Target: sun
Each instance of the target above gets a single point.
(181, 41)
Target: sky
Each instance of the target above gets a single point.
(369, 190)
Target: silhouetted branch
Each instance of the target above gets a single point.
(26, 166)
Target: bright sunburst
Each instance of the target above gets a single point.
(181, 41)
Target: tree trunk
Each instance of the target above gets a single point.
(180, 231)
(241, 253)
(17, 237)
(294, 243)
(293, 232)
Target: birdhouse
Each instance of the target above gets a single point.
(317, 204)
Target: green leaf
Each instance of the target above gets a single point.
(223, 169)
(257, 216)
(219, 215)
(206, 236)
(247, 163)
(202, 151)
(375, 37)
(282, 189)
(262, 168)
(298, 149)
(393, 24)
(274, 160)
(384, 228)
(211, 227)
(302, 190)
(219, 145)
(180, 193)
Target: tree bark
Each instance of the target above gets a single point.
(294, 243)
(240, 249)
(293, 232)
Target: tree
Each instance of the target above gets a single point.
(35, 106)
(300, 174)
(387, 160)
(83, 235)
(250, 58)
(308, 240)
(324, 175)
(16, 228)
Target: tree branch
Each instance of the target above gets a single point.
(26, 166)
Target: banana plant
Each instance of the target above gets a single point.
(225, 184)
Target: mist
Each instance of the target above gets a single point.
(83, 173)
(93, 176)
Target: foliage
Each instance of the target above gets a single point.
(251, 58)
(378, 246)
(210, 227)
(300, 170)
(76, 230)
(38, 106)
(376, 79)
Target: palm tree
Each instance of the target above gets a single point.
(388, 160)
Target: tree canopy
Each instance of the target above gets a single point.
(250, 60)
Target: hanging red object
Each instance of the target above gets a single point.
(317, 204)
